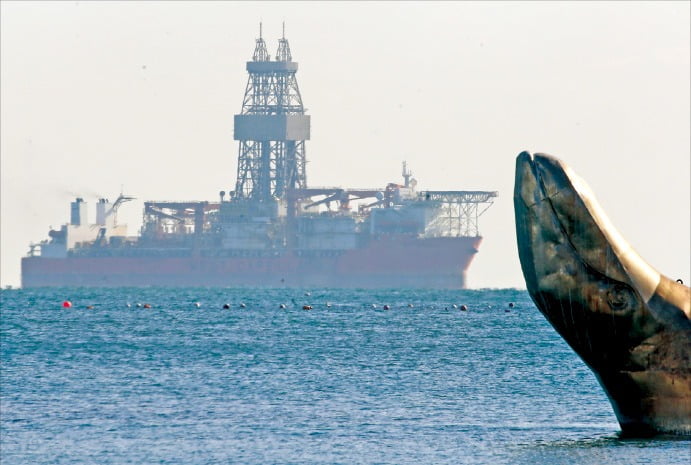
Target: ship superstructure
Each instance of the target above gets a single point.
(273, 229)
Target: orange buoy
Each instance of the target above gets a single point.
(464, 308)
(307, 307)
(147, 305)
(67, 304)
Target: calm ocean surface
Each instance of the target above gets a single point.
(344, 383)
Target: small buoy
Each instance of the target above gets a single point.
(328, 304)
(147, 305)
(510, 304)
(226, 306)
(139, 305)
(385, 307)
(374, 305)
(282, 306)
(67, 304)
(464, 308)
(89, 307)
(507, 310)
(410, 305)
(197, 304)
(455, 306)
(307, 294)
(242, 305)
(129, 305)
(307, 307)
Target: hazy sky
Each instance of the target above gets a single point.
(99, 96)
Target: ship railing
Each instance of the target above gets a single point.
(35, 249)
(458, 212)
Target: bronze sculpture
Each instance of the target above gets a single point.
(630, 324)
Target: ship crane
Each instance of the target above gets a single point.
(113, 210)
(343, 196)
(162, 214)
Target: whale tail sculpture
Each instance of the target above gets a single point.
(630, 324)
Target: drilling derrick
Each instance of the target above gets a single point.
(272, 127)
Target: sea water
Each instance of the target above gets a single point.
(347, 382)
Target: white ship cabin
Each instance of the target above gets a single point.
(79, 233)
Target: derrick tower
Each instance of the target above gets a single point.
(272, 127)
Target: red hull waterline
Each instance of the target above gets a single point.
(435, 263)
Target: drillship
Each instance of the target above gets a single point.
(272, 230)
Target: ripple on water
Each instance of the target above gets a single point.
(342, 383)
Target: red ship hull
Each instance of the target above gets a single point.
(435, 263)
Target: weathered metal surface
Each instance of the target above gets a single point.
(630, 324)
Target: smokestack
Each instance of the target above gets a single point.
(102, 208)
(78, 212)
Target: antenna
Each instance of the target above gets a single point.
(260, 29)
(284, 29)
